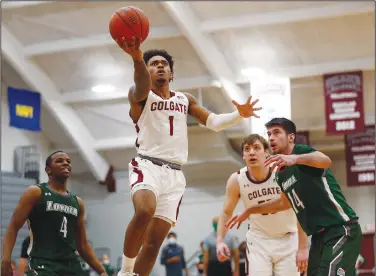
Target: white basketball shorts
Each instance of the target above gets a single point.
(268, 255)
(167, 184)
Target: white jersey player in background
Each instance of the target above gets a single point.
(156, 180)
(275, 242)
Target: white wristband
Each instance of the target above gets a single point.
(218, 122)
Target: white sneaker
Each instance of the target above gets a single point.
(120, 273)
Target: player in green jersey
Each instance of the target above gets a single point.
(314, 194)
(56, 222)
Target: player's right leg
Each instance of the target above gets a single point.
(144, 180)
(340, 251)
(259, 263)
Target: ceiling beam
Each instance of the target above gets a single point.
(180, 84)
(208, 51)
(65, 115)
(367, 63)
(287, 16)
(72, 44)
(85, 96)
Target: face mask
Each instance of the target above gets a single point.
(215, 226)
(106, 262)
(171, 241)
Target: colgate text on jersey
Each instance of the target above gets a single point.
(264, 192)
(167, 105)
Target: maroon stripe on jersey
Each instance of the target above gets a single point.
(172, 93)
(136, 143)
(247, 262)
(178, 208)
(137, 128)
(258, 182)
(238, 172)
(140, 175)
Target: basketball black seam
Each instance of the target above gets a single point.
(126, 23)
(139, 20)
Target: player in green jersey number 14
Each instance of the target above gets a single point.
(56, 222)
(309, 186)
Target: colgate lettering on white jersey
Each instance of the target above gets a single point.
(168, 106)
(253, 193)
(162, 128)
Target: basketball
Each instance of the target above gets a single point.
(128, 22)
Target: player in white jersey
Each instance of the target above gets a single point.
(155, 176)
(275, 242)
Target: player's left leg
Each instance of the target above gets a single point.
(341, 249)
(166, 214)
(284, 255)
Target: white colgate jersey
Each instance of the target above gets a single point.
(162, 128)
(253, 193)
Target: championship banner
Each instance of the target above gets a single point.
(24, 109)
(344, 110)
(302, 137)
(360, 157)
(365, 265)
(274, 96)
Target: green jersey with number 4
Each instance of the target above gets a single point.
(314, 194)
(53, 226)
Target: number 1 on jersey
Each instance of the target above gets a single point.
(171, 119)
(64, 228)
(295, 201)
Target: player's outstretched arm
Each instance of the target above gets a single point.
(142, 79)
(232, 198)
(218, 122)
(83, 247)
(271, 206)
(28, 200)
(314, 159)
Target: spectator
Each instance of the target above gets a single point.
(107, 265)
(24, 256)
(242, 258)
(173, 257)
(200, 260)
(212, 266)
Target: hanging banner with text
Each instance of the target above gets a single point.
(24, 109)
(360, 157)
(274, 96)
(344, 109)
(302, 137)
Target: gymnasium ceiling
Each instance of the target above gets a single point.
(63, 49)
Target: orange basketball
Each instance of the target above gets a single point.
(128, 22)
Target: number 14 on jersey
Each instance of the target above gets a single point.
(295, 201)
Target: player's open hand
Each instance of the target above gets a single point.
(237, 219)
(302, 259)
(280, 160)
(223, 253)
(130, 45)
(248, 109)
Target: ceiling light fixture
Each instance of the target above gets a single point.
(103, 88)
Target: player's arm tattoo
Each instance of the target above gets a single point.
(142, 81)
(197, 111)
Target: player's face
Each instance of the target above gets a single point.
(160, 70)
(278, 139)
(60, 165)
(254, 154)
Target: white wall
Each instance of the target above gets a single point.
(13, 137)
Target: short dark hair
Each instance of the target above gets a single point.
(287, 125)
(159, 52)
(172, 234)
(252, 138)
(49, 158)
